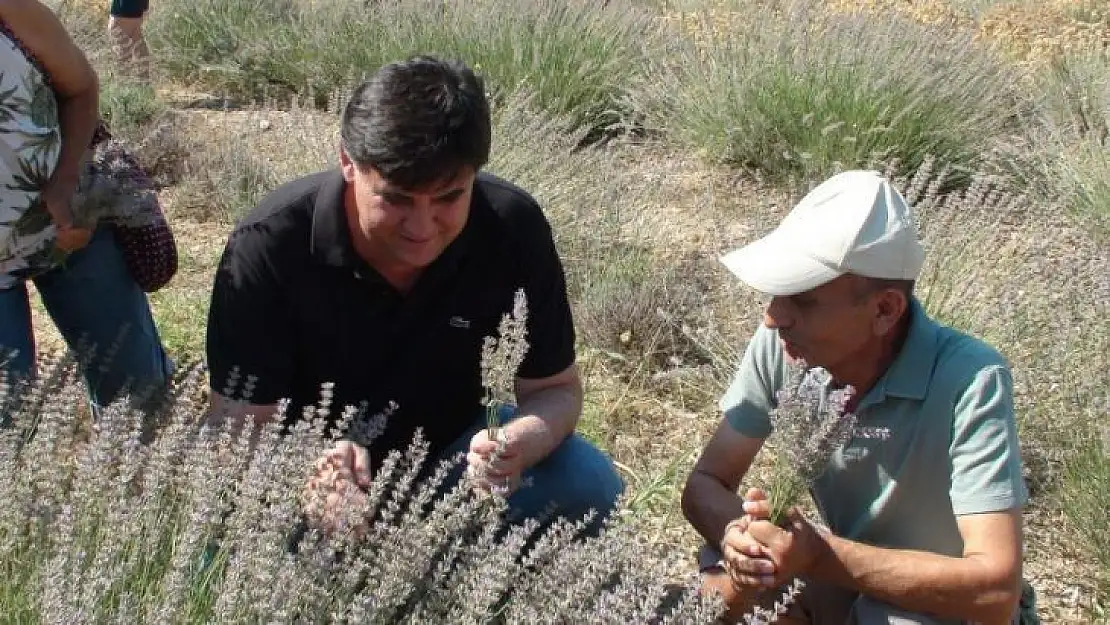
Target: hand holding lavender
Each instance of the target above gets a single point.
(501, 359)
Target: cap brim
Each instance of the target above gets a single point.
(774, 267)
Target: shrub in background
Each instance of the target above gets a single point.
(238, 47)
(795, 92)
(629, 305)
(1086, 168)
(577, 56)
(1068, 153)
(227, 179)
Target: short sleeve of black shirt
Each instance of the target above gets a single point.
(551, 333)
(248, 320)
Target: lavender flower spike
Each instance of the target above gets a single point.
(501, 358)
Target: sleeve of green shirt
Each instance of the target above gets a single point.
(985, 453)
(748, 402)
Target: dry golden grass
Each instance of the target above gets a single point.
(1036, 33)
(1032, 32)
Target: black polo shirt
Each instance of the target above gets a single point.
(295, 306)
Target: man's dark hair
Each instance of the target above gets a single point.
(418, 121)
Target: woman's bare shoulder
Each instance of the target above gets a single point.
(43, 34)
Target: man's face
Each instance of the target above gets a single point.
(407, 229)
(829, 325)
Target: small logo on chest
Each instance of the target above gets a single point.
(459, 322)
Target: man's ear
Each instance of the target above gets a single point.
(890, 305)
(347, 165)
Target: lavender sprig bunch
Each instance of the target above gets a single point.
(501, 358)
(114, 187)
(811, 422)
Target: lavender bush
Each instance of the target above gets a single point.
(99, 526)
(793, 91)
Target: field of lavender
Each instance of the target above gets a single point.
(656, 134)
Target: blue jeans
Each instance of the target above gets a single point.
(96, 304)
(575, 478)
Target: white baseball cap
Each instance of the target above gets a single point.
(855, 222)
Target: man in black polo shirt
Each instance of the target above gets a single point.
(384, 275)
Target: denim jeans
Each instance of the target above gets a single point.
(575, 478)
(95, 304)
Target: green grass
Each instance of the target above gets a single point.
(241, 46)
(180, 315)
(128, 105)
(1087, 496)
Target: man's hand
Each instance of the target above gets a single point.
(334, 497)
(350, 460)
(496, 465)
(793, 551)
(746, 560)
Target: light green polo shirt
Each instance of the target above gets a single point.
(947, 401)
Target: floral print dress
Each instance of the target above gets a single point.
(30, 143)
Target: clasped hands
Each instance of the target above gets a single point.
(759, 554)
(336, 493)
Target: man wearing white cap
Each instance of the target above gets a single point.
(923, 526)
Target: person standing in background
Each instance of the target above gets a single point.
(48, 116)
(125, 25)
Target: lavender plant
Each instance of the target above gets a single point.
(203, 524)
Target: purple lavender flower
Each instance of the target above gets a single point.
(811, 423)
